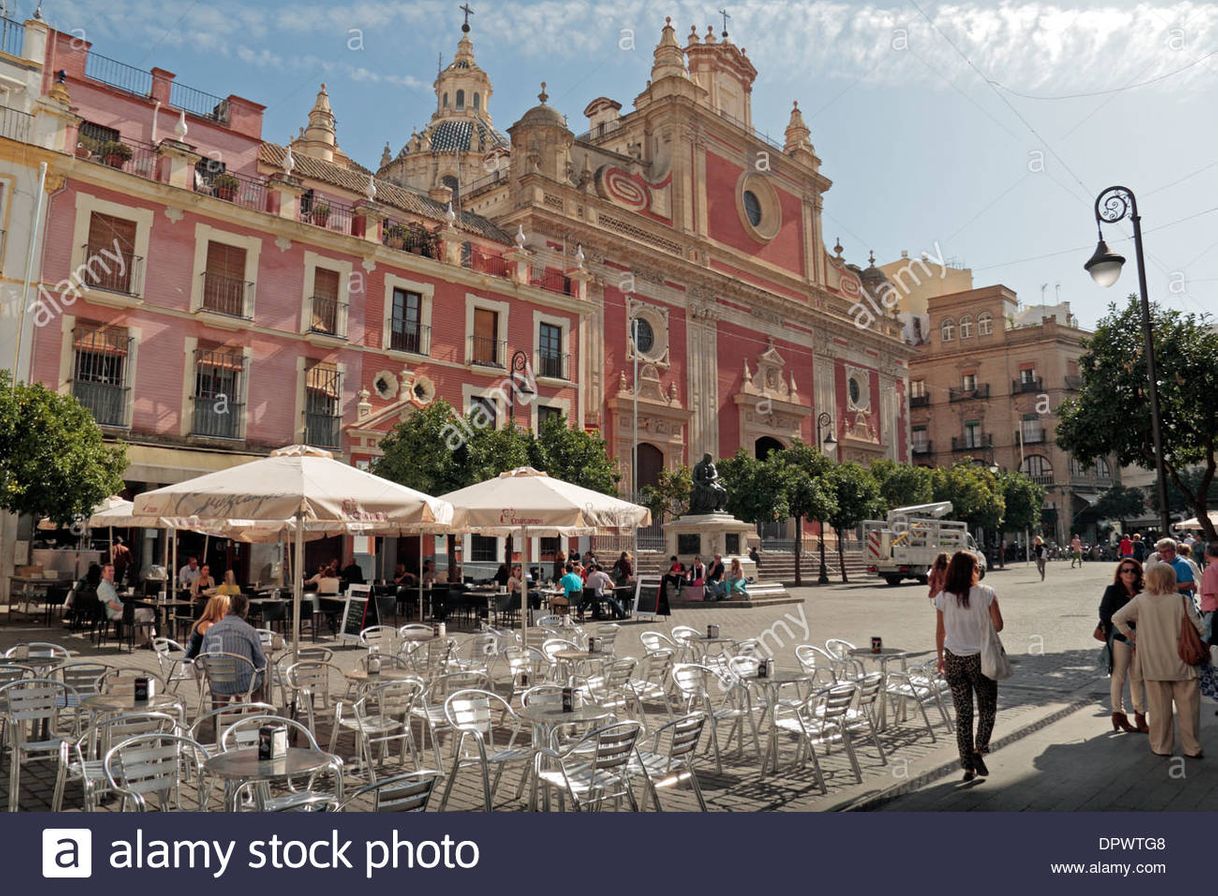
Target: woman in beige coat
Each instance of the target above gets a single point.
(1159, 612)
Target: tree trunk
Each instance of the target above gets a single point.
(799, 539)
(507, 552)
(841, 555)
(452, 555)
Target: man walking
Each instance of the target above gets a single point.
(1076, 551)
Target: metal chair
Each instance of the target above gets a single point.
(838, 648)
(653, 680)
(407, 792)
(216, 722)
(611, 687)
(653, 641)
(82, 760)
(470, 714)
(920, 690)
(35, 650)
(381, 717)
(430, 710)
(822, 720)
(228, 676)
(593, 769)
(862, 716)
(304, 683)
(821, 666)
(673, 765)
(383, 637)
(156, 765)
(175, 667)
(693, 682)
(32, 710)
(84, 678)
(244, 732)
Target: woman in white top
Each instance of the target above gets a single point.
(965, 610)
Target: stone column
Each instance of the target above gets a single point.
(182, 161)
(287, 191)
(373, 214)
(702, 362)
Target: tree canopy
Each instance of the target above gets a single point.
(756, 489)
(53, 461)
(902, 485)
(574, 456)
(669, 497)
(974, 492)
(1110, 413)
(1121, 503)
(1023, 502)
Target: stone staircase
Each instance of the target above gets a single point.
(779, 566)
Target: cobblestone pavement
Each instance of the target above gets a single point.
(1050, 747)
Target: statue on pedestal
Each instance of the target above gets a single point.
(708, 495)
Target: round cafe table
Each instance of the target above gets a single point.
(363, 676)
(241, 767)
(546, 718)
(883, 658)
(125, 702)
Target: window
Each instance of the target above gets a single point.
(1076, 467)
(1039, 468)
(855, 390)
(1027, 377)
(917, 388)
(460, 99)
(477, 101)
(219, 411)
(545, 414)
(446, 101)
(323, 406)
(947, 331)
(110, 260)
(752, 208)
(486, 413)
(550, 360)
(968, 382)
(921, 440)
(225, 289)
(485, 348)
(985, 324)
(1102, 470)
(92, 136)
(328, 312)
(101, 372)
(1031, 430)
(405, 329)
(483, 549)
(966, 327)
(645, 337)
(455, 185)
(972, 434)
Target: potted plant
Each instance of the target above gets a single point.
(114, 153)
(321, 214)
(225, 186)
(395, 236)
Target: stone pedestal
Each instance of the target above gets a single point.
(704, 535)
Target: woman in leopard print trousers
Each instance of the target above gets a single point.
(965, 610)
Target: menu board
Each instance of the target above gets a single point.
(355, 613)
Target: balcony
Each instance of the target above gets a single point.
(15, 125)
(323, 430)
(106, 269)
(1022, 387)
(979, 442)
(132, 156)
(12, 36)
(1042, 478)
(227, 295)
(138, 82)
(214, 419)
(239, 189)
(980, 392)
(553, 281)
(484, 262)
(919, 401)
(107, 402)
(327, 214)
(412, 238)
(553, 365)
(328, 317)
(922, 449)
(414, 339)
(1031, 436)
(485, 352)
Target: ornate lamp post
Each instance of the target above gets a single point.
(823, 422)
(1113, 205)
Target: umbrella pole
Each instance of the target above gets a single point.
(298, 585)
(421, 576)
(525, 606)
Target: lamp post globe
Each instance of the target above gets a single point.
(1105, 265)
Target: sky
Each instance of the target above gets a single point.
(979, 131)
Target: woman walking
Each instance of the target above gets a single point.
(936, 576)
(1123, 660)
(1041, 556)
(1159, 612)
(965, 611)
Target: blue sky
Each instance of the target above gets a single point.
(985, 130)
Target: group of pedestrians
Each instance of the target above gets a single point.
(1143, 618)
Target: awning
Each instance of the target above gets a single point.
(167, 466)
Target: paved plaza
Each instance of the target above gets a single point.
(1053, 749)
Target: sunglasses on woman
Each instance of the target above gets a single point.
(1129, 570)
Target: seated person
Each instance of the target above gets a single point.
(108, 595)
(696, 574)
(736, 582)
(715, 587)
(402, 577)
(352, 574)
(511, 600)
(188, 573)
(602, 583)
(675, 576)
(233, 634)
(203, 583)
(502, 574)
(572, 584)
(623, 570)
(429, 573)
(216, 609)
(229, 586)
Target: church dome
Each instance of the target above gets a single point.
(464, 135)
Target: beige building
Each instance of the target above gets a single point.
(988, 386)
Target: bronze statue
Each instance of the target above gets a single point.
(708, 495)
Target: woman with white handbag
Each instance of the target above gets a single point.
(967, 622)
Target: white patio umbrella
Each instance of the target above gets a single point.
(298, 490)
(534, 504)
(1195, 523)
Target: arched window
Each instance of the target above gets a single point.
(947, 330)
(966, 327)
(651, 465)
(766, 446)
(455, 185)
(1102, 469)
(460, 99)
(1038, 467)
(477, 101)
(985, 324)
(446, 101)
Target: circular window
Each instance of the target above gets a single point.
(855, 391)
(752, 208)
(385, 386)
(645, 337)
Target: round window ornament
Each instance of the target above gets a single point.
(423, 391)
(752, 208)
(759, 206)
(644, 336)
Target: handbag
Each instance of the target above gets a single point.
(1099, 633)
(994, 662)
(1190, 647)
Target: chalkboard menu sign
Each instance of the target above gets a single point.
(355, 613)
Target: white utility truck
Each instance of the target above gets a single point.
(906, 544)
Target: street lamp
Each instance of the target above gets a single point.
(823, 422)
(1113, 205)
(520, 365)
